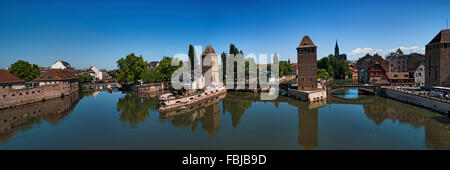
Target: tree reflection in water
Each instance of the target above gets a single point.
(134, 109)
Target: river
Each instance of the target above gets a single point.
(237, 120)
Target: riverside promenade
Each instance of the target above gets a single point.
(416, 98)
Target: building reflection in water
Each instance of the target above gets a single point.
(308, 122)
(134, 108)
(378, 109)
(24, 117)
(207, 113)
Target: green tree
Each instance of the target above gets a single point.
(250, 62)
(165, 68)
(113, 73)
(335, 66)
(152, 76)
(131, 68)
(192, 58)
(323, 74)
(24, 70)
(285, 68)
(85, 78)
(223, 56)
(324, 63)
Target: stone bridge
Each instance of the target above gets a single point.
(364, 88)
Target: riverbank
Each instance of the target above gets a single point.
(439, 105)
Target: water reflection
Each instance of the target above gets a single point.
(380, 109)
(361, 122)
(134, 108)
(23, 118)
(207, 113)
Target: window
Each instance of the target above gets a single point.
(4, 96)
(435, 75)
(13, 95)
(395, 75)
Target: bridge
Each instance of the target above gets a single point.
(364, 88)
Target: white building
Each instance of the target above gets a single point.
(419, 75)
(60, 65)
(94, 72)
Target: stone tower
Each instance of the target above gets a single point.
(210, 62)
(307, 65)
(437, 60)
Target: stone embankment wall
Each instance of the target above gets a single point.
(51, 110)
(423, 101)
(16, 97)
(147, 88)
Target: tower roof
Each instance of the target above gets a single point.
(208, 50)
(336, 45)
(306, 42)
(442, 37)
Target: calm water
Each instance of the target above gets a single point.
(103, 120)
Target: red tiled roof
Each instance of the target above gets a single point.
(57, 74)
(6, 78)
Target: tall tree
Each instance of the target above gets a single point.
(192, 58)
(131, 68)
(223, 56)
(24, 70)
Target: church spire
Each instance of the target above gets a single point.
(336, 49)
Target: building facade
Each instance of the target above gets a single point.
(94, 72)
(372, 69)
(397, 62)
(400, 79)
(210, 65)
(307, 64)
(60, 65)
(437, 56)
(354, 71)
(52, 84)
(9, 81)
(419, 75)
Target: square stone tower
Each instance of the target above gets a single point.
(307, 65)
(210, 62)
(437, 60)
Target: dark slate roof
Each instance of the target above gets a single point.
(442, 37)
(306, 42)
(208, 50)
(399, 51)
(7, 78)
(57, 74)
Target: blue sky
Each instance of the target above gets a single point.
(98, 33)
